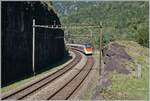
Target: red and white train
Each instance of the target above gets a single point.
(86, 48)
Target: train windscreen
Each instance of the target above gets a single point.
(88, 46)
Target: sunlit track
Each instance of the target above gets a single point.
(70, 87)
(28, 90)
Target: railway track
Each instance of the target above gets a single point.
(71, 87)
(30, 89)
(68, 86)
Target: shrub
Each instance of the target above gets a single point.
(143, 35)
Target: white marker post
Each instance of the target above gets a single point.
(139, 70)
(33, 47)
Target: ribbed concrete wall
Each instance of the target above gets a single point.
(17, 39)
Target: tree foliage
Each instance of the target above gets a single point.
(121, 20)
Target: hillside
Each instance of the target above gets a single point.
(131, 85)
(121, 20)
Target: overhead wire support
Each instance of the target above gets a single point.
(55, 26)
(65, 27)
(100, 48)
(33, 48)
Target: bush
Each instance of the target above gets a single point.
(143, 35)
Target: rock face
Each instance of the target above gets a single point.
(17, 39)
(113, 58)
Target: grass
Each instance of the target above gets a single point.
(37, 76)
(14, 85)
(129, 87)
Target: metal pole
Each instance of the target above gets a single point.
(92, 38)
(33, 48)
(66, 37)
(100, 50)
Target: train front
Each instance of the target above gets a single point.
(88, 49)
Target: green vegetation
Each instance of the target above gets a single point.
(47, 4)
(130, 87)
(143, 35)
(121, 20)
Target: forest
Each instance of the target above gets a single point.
(120, 20)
